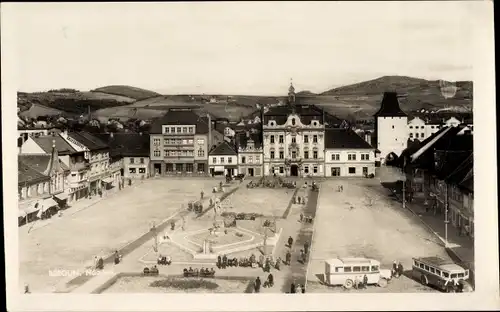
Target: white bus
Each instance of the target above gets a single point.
(345, 271)
(440, 273)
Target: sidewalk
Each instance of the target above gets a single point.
(460, 247)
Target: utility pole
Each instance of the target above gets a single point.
(446, 204)
(404, 184)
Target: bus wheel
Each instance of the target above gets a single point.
(423, 280)
(348, 284)
(382, 282)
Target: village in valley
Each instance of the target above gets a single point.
(290, 198)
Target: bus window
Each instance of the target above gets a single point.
(347, 269)
(356, 269)
(415, 263)
(445, 274)
(460, 274)
(432, 270)
(338, 269)
(421, 265)
(438, 272)
(454, 276)
(374, 268)
(365, 268)
(426, 267)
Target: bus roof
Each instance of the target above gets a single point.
(447, 265)
(351, 261)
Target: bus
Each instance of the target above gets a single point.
(345, 271)
(442, 274)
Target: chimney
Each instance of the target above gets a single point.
(368, 138)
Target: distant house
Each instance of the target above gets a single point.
(33, 192)
(250, 157)
(223, 159)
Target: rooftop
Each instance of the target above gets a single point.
(223, 149)
(63, 148)
(389, 107)
(344, 138)
(180, 117)
(28, 175)
(88, 140)
(127, 144)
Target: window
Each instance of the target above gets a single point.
(306, 154)
(352, 170)
(315, 169)
(272, 139)
(250, 159)
(306, 169)
(293, 121)
(281, 170)
(230, 160)
(438, 272)
(272, 154)
(416, 135)
(243, 159)
(184, 130)
(422, 135)
(374, 268)
(445, 274)
(422, 127)
(365, 156)
(142, 170)
(157, 141)
(294, 154)
(179, 130)
(432, 127)
(347, 269)
(356, 269)
(454, 275)
(222, 160)
(282, 155)
(142, 160)
(411, 135)
(315, 139)
(351, 156)
(200, 141)
(257, 158)
(315, 154)
(411, 127)
(365, 269)
(393, 127)
(426, 267)
(214, 160)
(280, 139)
(460, 275)
(131, 170)
(421, 265)
(306, 139)
(433, 270)
(338, 269)
(201, 152)
(191, 129)
(335, 156)
(189, 167)
(294, 140)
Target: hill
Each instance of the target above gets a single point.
(305, 92)
(127, 91)
(69, 102)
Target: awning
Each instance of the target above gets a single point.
(48, 203)
(61, 196)
(108, 180)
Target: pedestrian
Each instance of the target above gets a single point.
(270, 280)
(224, 262)
(306, 247)
(290, 241)
(394, 268)
(292, 288)
(356, 282)
(219, 261)
(267, 266)
(261, 261)
(302, 257)
(26, 289)
(288, 257)
(117, 257)
(400, 269)
(301, 217)
(257, 284)
(365, 281)
(299, 289)
(95, 261)
(202, 194)
(303, 289)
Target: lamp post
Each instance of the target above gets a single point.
(446, 221)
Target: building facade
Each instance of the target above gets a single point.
(347, 154)
(250, 155)
(179, 143)
(223, 160)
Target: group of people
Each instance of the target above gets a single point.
(359, 284)
(98, 263)
(117, 257)
(340, 188)
(267, 284)
(203, 272)
(303, 252)
(297, 289)
(397, 269)
(164, 260)
(223, 262)
(306, 219)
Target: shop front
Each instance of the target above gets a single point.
(62, 200)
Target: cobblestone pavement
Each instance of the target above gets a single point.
(72, 241)
(364, 221)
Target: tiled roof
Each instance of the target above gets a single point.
(307, 113)
(389, 107)
(88, 140)
(180, 117)
(63, 148)
(40, 162)
(127, 144)
(28, 175)
(344, 138)
(224, 148)
(242, 140)
(468, 182)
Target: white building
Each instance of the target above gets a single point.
(347, 154)
(391, 127)
(223, 159)
(250, 154)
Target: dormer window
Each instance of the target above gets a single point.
(315, 123)
(272, 123)
(293, 121)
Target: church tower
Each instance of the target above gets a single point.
(391, 127)
(291, 95)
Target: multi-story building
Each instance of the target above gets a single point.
(76, 179)
(180, 142)
(347, 154)
(250, 154)
(223, 159)
(391, 127)
(294, 136)
(96, 154)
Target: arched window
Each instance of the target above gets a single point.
(293, 121)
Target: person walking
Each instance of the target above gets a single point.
(290, 241)
(288, 257)
(257, 284)
(292, 288)
(306, 247)
(270, 280)
(301, 217)
(400, 269)
(365, 281)
(299, 289)
(394, 268)
(303, 288)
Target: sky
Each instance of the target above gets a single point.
(237, 48)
